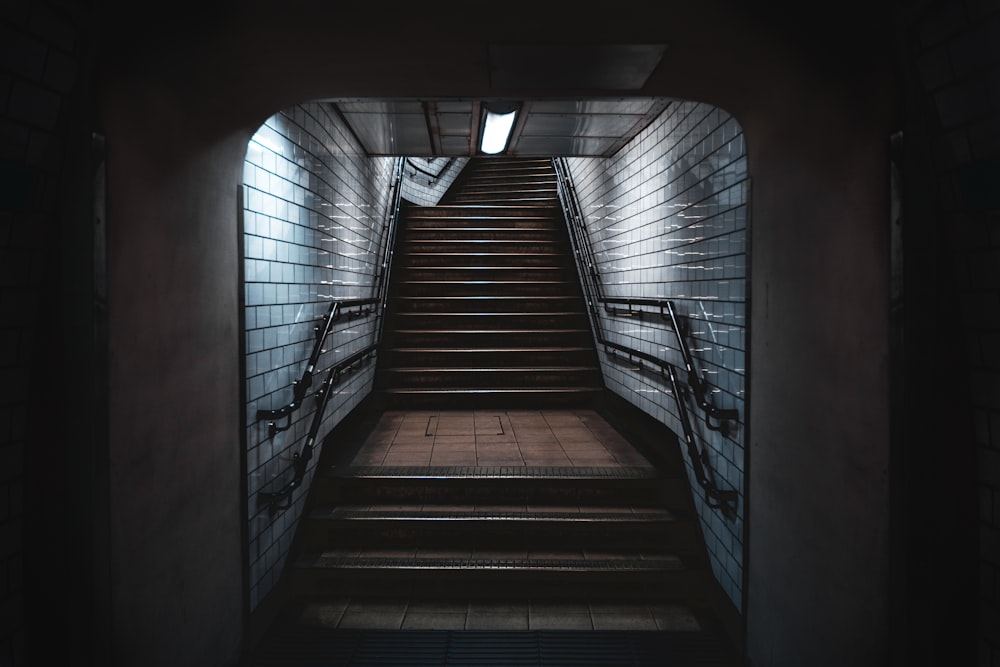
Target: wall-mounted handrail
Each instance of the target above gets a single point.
(282, 498)
(699, 386)
(430, 174)
(714, 497)
(302, 385)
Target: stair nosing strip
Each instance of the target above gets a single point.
(340, 514)
(486, 564)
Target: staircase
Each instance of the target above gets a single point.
(486, 306)
(498, 532)
(508, 555)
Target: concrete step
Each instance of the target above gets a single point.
(496, 304)
(556, 574)
(491, 338)
(488, 356)
(495, 377)
(479, 273)
(488, 287)
(412, 258)
(618, 486)
(489, 397)
(421, 526)
(493, 320)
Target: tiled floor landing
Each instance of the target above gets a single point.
(486, 438)
(503, 615)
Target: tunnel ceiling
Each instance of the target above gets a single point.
(544, 127)
(552, 122)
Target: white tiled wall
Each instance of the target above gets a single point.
(667, 219)
(315, 209)
(425, 180)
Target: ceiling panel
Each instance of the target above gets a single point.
(628, 105)
(577, 125)
(546, 128)
(561, 146)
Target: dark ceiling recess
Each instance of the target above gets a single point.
(573, 67)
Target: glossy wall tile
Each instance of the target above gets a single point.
(667, 219)
(425, 180)
(314, 218)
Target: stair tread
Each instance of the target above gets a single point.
(494, 330)
(474, 350)
(498, 560)
(506, 313)
(459, 267)
(480, 254)
(488, 390)
(487, 369)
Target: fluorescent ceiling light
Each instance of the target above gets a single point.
(496, 131)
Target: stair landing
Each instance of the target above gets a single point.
(488, 438)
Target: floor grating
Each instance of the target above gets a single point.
(316, 647)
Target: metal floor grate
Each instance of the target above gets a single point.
(301, 646)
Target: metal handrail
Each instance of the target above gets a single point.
(714, 497)
(699, 386)
(282, 499)
(300, 460)
(302, 385)
(417, 167)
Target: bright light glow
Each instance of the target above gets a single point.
(496, 131)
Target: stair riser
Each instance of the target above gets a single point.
(437, 287)
(447, 359)
(481, 211)
(424, 399)
(492, 377)
(509, 172)
(492, 321)
(492, 305)
(475, 246)
(540, 535)
(464, 274)
(472, 241)
(611, 493)
(513, 199)
(481, 257)
(498, 584)
(504, 185)
(543, 221)
(493, 338)
(527, 181)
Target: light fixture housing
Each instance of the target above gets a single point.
(498, 122)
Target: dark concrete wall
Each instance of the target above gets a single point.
(819, 391)
(51, 500)
(175, 483)
(947, 444)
